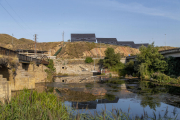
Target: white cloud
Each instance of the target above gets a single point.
(136, 8)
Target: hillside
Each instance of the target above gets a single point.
(6, 41)
(161, 48)
(84, 49)
(69, 49)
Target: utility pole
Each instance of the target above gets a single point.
(35, 37)
(100, 49)
(63, 36)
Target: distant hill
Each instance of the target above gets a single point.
(69, 49)
(6, 41)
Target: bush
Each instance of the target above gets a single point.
(89, 60)
(161, 77)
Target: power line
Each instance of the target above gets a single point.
(13, 17)
(18, 15)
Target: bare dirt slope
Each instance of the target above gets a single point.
(70, 50)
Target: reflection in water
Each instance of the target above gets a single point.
(137, 95)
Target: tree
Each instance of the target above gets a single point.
(111, 59)
(150, 60)
(129, 68)
(89, 60)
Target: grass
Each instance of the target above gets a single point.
(31, 105)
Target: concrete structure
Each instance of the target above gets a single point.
(83, 37)
(112, 41)
(35, 54)
(166, 53)
(172, 52)
(5, 90)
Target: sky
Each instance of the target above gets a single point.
(141, 21)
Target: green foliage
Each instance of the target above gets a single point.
(111, 59)
(150, 60)
(173, 67)
(57, 52)
(51, 70)
(117, 67)
(88, 60)
(129, 67)
(160, 77)
(32, 105)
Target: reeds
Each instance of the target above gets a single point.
(30, 105)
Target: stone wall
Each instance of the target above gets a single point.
(5, 89)
(74, 69)
(28, 78)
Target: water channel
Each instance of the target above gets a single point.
(129, 95)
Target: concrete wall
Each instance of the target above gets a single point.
(71, 69)
(27, 79)
(173, 55)
(5, 89)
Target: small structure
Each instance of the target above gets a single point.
(131, 44)
(83, 37)
(35, 54)
(112, 41)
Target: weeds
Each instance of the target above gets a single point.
(31, 105)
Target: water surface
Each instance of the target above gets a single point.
(132, 96)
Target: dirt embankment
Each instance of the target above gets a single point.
(70, 50)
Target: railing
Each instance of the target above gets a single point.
(8, 52)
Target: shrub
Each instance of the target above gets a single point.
(89, 60)
(161, 77)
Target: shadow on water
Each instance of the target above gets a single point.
(121, 94)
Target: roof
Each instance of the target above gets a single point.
(126, 42)
(140, 44)
(30, 51)
(82, 35)
(107, 39)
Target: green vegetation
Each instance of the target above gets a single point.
(57, 52)
(173, 66)
(32, 105)
(88, 60)
(111, 59)
(51, 70)
(150, 60)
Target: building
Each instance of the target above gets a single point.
(131, 44)
(126, 43)
(83, 37)
(92, 38)
(112, 41)
(139, 45)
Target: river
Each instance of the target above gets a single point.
(129, 95)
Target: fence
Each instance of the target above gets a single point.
(8, 52)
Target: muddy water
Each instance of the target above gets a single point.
(131, 96)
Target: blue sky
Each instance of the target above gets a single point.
(141, 21)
